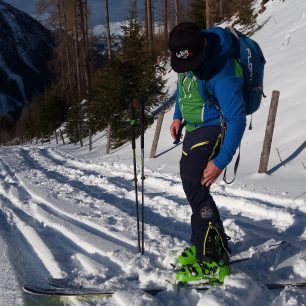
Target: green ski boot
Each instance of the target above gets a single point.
(210, 272)
(187, 257)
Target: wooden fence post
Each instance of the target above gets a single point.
(157, 134)
(61, 133)
(264, 159)
(109, 133)
(55, 134)
(75, 135)
(90, 140)
(80, 134)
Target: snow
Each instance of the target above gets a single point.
(18, 33)
(69, 213)
(12, 77)
(10, 293)
(115, 28)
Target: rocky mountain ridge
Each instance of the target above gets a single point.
(25, 49)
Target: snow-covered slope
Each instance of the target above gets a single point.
(115, 28)
(25, 48)
(283, 39)
(74, 219)
(69, 213)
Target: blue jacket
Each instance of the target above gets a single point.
(221, 76)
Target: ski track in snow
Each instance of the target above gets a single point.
(10, 295)
(78, 221)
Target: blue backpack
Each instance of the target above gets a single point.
(252, 60)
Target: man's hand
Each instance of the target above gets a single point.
(174, 128)
(210, 174)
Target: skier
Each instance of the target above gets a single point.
(209, 97)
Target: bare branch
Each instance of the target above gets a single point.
(278, 153)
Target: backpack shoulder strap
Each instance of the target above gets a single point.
(233, 31)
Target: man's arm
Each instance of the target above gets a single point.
(177, 112)
(228, 91)
(230, 96)
(177, 117)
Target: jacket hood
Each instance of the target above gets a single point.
(219, 48)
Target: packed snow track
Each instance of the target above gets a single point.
(73, 219)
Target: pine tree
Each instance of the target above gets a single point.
(197, 13)
(43, 115)
(6, 125)
(131, 74)
(247, 16)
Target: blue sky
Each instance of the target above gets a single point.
(119, 9)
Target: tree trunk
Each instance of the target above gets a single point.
(133, 8)
(109, 47)
(166, 21)
(84, 56)
(109, 50)
(221, 11)
(68, 57)
(208, 14)
(150, 26)
(61, 59)
(86, 27)
(176, 9)
(87, 43)
(77, 51)
(146, 20)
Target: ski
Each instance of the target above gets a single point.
(87, 292)
(263, 248)
(67, 283)
(277, 284)
(65, 287)
(81, 292)
(296, 283)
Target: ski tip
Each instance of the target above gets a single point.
(31, 290)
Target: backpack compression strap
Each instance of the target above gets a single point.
(235, 170)
(223, 126)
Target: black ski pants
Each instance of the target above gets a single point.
(199, 147)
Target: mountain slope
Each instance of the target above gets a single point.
(25, 48)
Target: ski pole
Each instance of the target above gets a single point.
(142, 172)
(133, 124)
